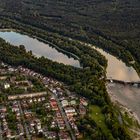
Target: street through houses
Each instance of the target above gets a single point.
(65, 118)
(25, 125)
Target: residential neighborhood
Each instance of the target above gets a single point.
(36, 107)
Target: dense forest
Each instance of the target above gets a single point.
(113, 25)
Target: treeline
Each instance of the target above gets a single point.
(84, 82)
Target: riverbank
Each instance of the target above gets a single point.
(127, 97)
(129, 109)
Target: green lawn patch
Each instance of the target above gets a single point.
(96, 114)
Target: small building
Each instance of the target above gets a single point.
(82, 110)
(64, 103)
(20, 129)
(3, 77)
(3, 109)
(51, 135)
(83, 102)
(72, 102)
(6, 86)
(64, 136)
(8, 133)
(70, 111)
(54, 105)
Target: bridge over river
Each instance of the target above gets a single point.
(132, 83)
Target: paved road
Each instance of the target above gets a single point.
(65, 118)
(25, 125)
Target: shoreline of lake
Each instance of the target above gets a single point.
(62, 58)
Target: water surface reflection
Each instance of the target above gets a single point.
(119, 70)
(38, 48)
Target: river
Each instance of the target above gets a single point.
(118, 70)
(126, 95)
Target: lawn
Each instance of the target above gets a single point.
(98, 117)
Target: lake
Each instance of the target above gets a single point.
(38, 48)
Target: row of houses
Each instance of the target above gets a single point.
(72, 105)
(6, 131)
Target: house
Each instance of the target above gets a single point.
(28, 114)
(54, 91)
(53, 124)
(31, 129)
(3, 109)
(47, 106)
(6, 86)
(43, 98)
(8, 133)
(3, 77)
(35, 100)
(64, 136)
(64, 103)
(53, 104)
(72, 102)
(58, 114)
(61, 126)
(20, 129)
(51, 135)
(31, 100)
(83, 102)
(82, 110)
(70, 111)
(11, 69)
(39, 99)
(15, 109)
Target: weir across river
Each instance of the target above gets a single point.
(131, 83)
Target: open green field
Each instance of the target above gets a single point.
(98, 117)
